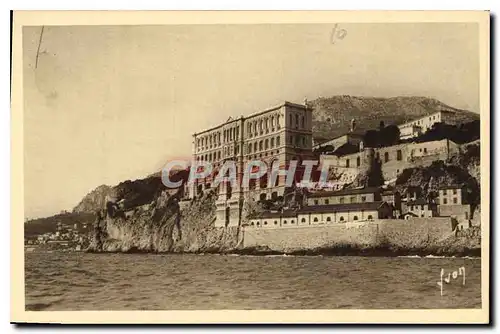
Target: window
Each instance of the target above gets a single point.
(272, 142)
(363, 198)
(358, 161)
(284, 222)
(425, 150)
(303, 220)
(341, 200)
(258, 224)
(277, 141)
(327, 202)
(421, 207)
(252, 223)
(370, 217)
(303, 124)
(386, 156)
(266, 145)
(454, 191)
(265, 222)
(454, 200)
(353, 199)
(399, 155)
(444, 192)
(315, 219)
(255, 147)
(315, 202)
(275, 222)
(249, 148)
(296, 120)
(355, 218)
(341, 219)
(260, 145)
(347, 163)
(466, 215)
(328, 219)
(292, 222)
(445, 201)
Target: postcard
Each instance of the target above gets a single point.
(250, 167)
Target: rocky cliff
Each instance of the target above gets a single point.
(162, 226)
(94, 200)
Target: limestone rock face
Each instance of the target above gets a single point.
(162, 226)
(94, 200)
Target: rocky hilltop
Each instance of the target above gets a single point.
(332, 115)
(93, 200)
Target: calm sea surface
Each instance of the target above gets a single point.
(80, 281)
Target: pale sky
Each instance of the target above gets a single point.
(111, 103)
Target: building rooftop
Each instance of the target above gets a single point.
(344, 192)
(343, 207)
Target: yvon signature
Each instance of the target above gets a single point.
(447, 278)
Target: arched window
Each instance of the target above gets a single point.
(265, 222)
(355, 218)
(255, 147)
(272, 142)
(303, 220)
(252, 223)
(296, 120)
(292, 222)
(258, 223)
(275, 222)
(315, 219)
(284, 222)
(303, 123)
(370, 217)
(260, 145)
(328, 219)
(277, 141)
(272, 121)
(341, 219)
(266, 145)
(249, 148)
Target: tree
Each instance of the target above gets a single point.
(389, 135)
(371, 138)
(375, 175)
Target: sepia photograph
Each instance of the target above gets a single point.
(309, 163)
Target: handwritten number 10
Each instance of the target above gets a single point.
(454, 275)
(337, 33)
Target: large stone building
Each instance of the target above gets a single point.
(420, 125)
(275, 135)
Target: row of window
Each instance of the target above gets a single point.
(214, 140)
(263, 145)
(215, 156)
(421, 121)
(254, 128)
(445, 191)
(352, 199)
(303, 221)
(455, 200)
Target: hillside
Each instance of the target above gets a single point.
(332, 115)
(94, 199)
